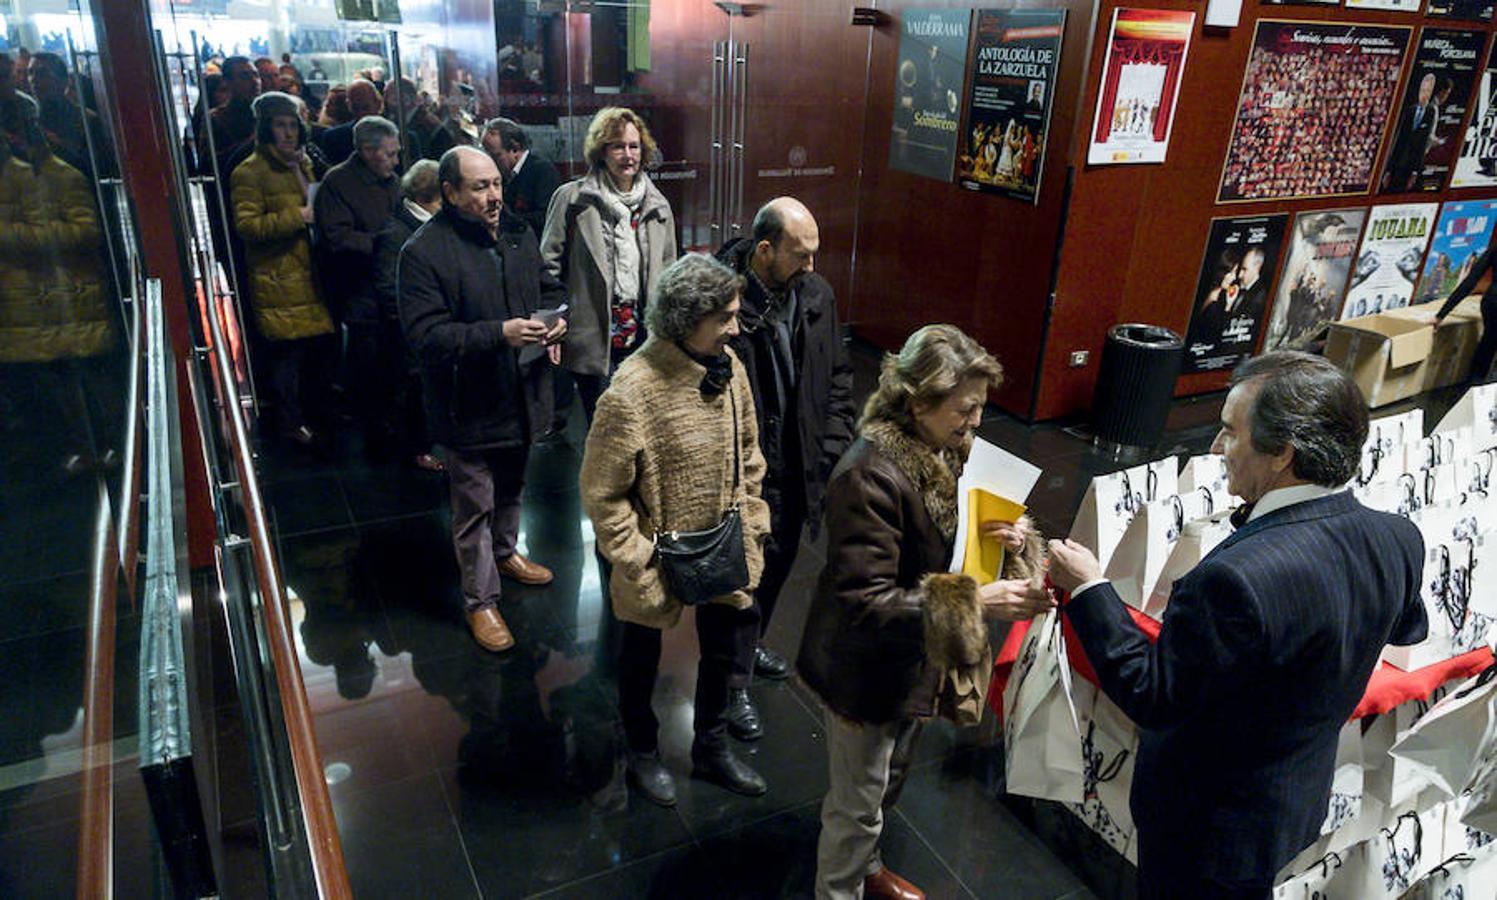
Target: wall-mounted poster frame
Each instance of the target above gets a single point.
(1141, 76)
(1317, 267)
(1232, 292)
(1477, 164)
(1330, 147)
(1465, 10)
(1388, 259)
(1462, 232)
(928, 87)
(1427, 133)
(1015, 59)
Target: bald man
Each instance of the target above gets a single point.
(790, 343)
(364, 99)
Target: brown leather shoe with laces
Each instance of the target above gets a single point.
(887, 886)
(489, 629)
(524, 571)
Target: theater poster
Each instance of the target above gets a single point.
(1387, 262)
(1467, 10)
(1015, 57)
(1300, 130)
(1322, 245)
(1477, 164)
(928, 90)
(1242, 255)
(1463, 231)
(1140, 85)
(1427, 133)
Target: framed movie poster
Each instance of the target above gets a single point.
(1315, 99)
(928, 89)
(1015, 58)
(1242, 255)
(1427, 132)
(1469, 10)
(1140, 85)
(1477, 164)
(1461, 234)
(1321, 246)
(1387, 262)
(1408, 6)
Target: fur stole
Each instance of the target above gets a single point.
(933, 475)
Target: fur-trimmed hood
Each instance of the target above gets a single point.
(933, 475)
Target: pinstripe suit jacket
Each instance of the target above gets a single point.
(1266, 648)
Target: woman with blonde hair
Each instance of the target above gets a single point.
(888, 625)
(608, 235)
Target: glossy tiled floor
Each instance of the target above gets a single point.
(455, 772)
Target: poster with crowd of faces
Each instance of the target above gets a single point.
(1314, 102)
(1387, 265)
(1015, 57)
(1322, 245)
(1477, 164)
(928, 90)
(1146, 51)
(1467, 10)
(1242, 255)
(1427, 132)
(1461, 234)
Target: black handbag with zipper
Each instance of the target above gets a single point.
(700, 565)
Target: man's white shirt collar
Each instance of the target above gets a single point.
(1279, 498)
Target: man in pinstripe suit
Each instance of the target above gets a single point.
(1266, 646)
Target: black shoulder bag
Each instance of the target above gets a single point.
(700, 565)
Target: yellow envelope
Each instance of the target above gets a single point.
(983, 559)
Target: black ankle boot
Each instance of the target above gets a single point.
(651, 778)
(720, 766)
(743, 719)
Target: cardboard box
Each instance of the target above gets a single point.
(1393, 356)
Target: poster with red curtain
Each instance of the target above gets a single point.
(1140, 84)
(1315, 101)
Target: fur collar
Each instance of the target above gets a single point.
(933, 475)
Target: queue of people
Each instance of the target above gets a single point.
(721, 423)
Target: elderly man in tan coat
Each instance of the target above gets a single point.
(661, 458)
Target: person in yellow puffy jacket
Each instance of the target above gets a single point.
(270, 192)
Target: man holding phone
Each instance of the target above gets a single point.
(483, 317)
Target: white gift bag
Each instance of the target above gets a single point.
(1346, 786)
(1111, 501)
(1143, 549)
(1199, 539)
(1461, 876)
(1447, 590)
(1395, 858)
(1476, 410)
(1109, 747)
(1041, 736)
(1445, 745)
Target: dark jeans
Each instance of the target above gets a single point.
(387, 393)
(485, 490)
(589, 389)
(298, 378)
(1486, 350)
(720, 633)
(780, 551)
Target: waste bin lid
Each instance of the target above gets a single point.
(1153, 337)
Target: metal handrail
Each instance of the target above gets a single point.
(324, 844)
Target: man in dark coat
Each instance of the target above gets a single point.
(354, 202)
(1266, 646)
(529, 180)
(1406, 159)
(364, 99)
(471, 281)
(791, 346)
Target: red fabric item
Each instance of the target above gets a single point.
(1388, 687)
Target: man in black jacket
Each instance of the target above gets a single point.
(1267, 644)
(529, 180)
(354, 202)
(471, 282)
(790, 344)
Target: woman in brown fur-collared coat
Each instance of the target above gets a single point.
(888, 624)
(660, 457)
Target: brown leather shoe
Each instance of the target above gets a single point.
(489, 629)
(887, 886)
(524, 571)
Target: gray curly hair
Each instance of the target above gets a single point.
(689, 290)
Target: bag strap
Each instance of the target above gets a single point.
(737, 460)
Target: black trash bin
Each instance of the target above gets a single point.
(1139, 366)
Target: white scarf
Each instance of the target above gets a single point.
(621, 208)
